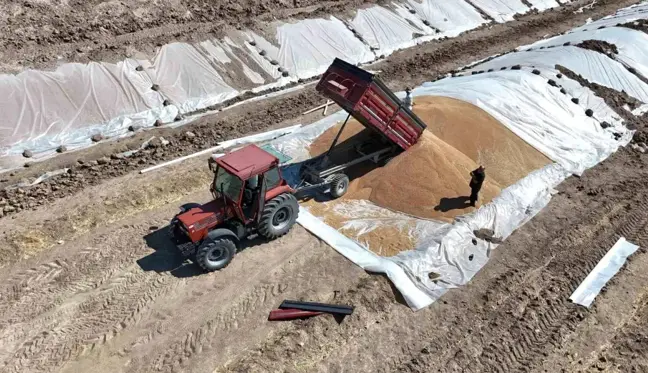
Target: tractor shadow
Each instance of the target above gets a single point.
(166, 259)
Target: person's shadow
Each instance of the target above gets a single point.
(455, 203)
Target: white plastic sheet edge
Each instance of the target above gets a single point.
(606, 268)
(364, 258)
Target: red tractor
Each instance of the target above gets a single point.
(250, 196)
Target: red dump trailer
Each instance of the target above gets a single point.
(364, 96)
(394, 128)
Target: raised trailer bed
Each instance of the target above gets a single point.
(365, 97)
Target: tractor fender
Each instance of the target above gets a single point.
(222, 233)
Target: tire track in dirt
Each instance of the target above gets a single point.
(49, 311)
(627, 351)
(301, 347)
(360, 330)
(204, 312)
(548, 315)
(218, 332)
(93, 322)
(579, 231)
(614, 310)
(41, 302)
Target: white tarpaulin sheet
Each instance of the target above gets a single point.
(67, 106)
(44, 110)
(543, 4)
(384, 30)
(536, 112)
(188, 78)
(629, 43)
(633, 13)
(593, 66)
(238, 60)
(501, 10)
(449, 17)
(308, 47)
(523, 102)
(606, 268)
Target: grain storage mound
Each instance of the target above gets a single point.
(481, 137)
(321, 144)
(431, 179)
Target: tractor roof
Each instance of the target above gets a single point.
(247, 161)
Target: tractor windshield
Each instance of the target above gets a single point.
(228, 184)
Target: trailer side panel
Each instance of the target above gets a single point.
(370, 102)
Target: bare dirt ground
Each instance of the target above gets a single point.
(89, 283)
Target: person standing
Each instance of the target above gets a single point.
(477, 178)
(408, 98)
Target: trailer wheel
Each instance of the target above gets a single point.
(339, 185)
(215, 254)
(279, 215)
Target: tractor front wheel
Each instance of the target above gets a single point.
(215, 254)
(279, 215)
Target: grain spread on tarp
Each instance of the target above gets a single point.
(430, 180)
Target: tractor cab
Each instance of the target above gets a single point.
(250, 196)
(245, 179)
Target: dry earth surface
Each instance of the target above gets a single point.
(89, 282)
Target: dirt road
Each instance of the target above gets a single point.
(88, 283)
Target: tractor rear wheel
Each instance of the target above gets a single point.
(279, 215)
(215, 254)
(339, 185)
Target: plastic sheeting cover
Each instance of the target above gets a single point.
(605, 269)
(629, 14)
(501, 10)
(66, 107)
(450, 17)
(524, 103)
(536, 112)
(187, 78)
(308, 47)
(593, 66)
(79, 101)
(45, 109)
(544, 4)
(415, 297)
(384, 30)
(629, 42)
